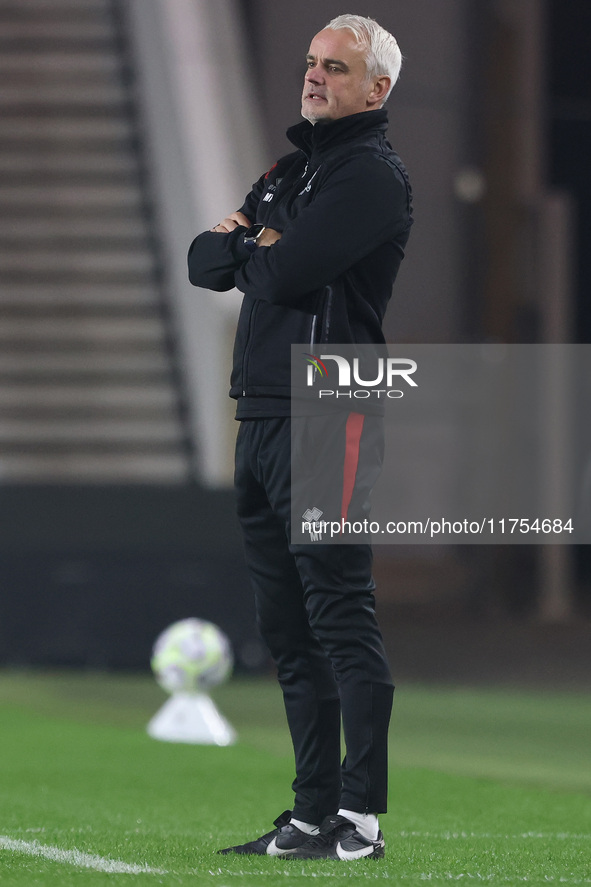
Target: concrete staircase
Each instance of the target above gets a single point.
(88, 391)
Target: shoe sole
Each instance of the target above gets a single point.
(374, 853)
(342, 855)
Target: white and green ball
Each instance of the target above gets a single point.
(190, 656)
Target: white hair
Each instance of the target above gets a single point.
(382, 53)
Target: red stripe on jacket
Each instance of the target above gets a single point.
(353, 431)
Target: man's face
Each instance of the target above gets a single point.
(336, 83)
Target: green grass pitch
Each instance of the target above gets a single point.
(487, 786)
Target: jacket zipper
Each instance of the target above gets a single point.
(247, 345)
(326, 317)
(327, 313)
(313, 331)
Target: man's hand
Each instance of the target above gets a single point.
(233, 221)
(268, 237)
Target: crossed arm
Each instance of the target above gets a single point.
(360, 205)
(234, 220)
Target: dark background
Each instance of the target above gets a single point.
(90, 575)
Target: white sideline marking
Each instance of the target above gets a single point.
(114, 866)
(76, 857)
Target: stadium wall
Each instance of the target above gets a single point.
(89, 575)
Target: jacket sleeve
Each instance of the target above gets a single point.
(213, 261)
(361, 204)
(213, 258)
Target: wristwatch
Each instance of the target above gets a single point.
(252, 236)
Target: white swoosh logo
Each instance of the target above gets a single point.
(274, 850)
(354, 854)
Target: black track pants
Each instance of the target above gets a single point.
(316, 613)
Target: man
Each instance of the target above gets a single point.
(315, 249)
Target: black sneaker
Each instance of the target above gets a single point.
(338, 839)
(283, 839)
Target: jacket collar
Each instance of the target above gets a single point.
(325, 135)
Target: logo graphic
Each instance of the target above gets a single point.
(349, 378)
(315, 365)
(311, 517)
(386, 370)
(309, 185)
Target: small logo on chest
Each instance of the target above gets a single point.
(271, 190)
(309, 184)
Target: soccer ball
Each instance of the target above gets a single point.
(190, 656)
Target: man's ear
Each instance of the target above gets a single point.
(379, 92)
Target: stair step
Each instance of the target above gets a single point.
(45, 130)
(89, 412)
(53, 8)
(68, 467)
(99, 196)
(87, 363)
(67, 163)
(115, 332)
(110, 96)
(57, 64)
(76, 261)
(56, 43)
(107, 397)
(50, 28)
(66, 233)
(64, 296)
(72, 276)
(88, 431)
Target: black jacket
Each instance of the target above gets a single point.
(342, 203)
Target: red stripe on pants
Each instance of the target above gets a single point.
(353, 431)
